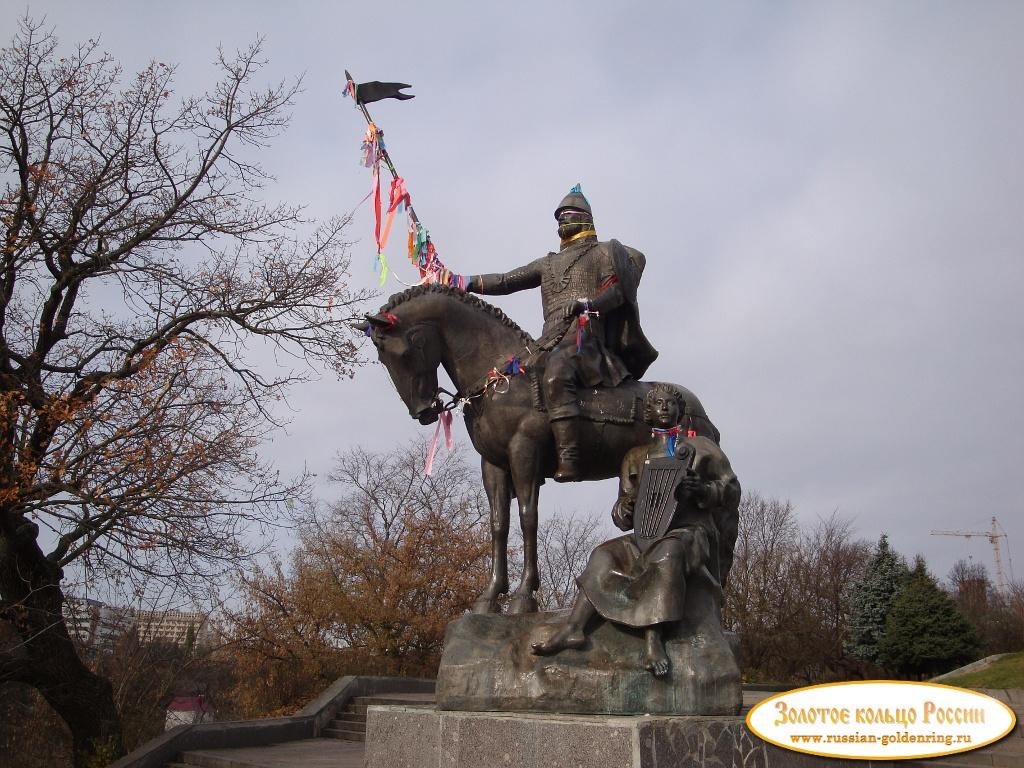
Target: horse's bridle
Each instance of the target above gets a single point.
(544, 344)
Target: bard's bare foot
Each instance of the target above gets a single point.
(655, 660)
(569, 636)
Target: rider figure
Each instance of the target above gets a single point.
(588, 291)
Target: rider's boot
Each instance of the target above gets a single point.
(568, 449)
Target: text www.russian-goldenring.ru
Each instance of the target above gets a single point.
(885, 740)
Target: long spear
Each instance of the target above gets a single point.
(421, 249)
(365, 93)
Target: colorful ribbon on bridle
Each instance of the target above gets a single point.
(514, 366)
(389, 316)
(444, 419)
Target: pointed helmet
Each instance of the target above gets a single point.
(576, 201)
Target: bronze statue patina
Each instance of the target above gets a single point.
(588, 291)
(645, 634)
(429, 326)
(684, 526)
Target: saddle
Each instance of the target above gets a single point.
(623, 404)
(610, 405)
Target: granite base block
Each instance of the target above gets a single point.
(487, 665)
(403, 737)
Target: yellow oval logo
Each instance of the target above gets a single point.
(881, 720)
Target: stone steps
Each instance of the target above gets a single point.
(340, 744)
(349, 723)
(348, 734)
(199, 760)
(303, 753)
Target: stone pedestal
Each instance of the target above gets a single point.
(401, 737)
(488, 665)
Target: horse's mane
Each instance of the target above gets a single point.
(416, 291)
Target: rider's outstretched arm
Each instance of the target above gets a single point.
(501, 283)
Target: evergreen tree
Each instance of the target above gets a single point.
(925, 633)
(871, 600)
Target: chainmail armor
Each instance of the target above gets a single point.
(576, 272)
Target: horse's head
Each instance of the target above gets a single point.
(411, 351)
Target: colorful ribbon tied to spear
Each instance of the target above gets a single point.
(422, 253)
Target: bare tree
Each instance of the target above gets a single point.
(971, 587)
(997, 616)
(377, 577)
(282, 642)
(787, 595)
(405, 553)
(137, 263)
(564, 544)
(760, 598)
(828, 562)
(1007, 625)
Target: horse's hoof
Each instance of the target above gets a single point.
(484, 605)
(522, 605)
(566, 475)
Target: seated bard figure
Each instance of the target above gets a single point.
(645, 587)
(588, 292)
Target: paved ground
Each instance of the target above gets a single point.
(409, 699)
(308, 753)
(332, 753)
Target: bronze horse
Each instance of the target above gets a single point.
(430, 326)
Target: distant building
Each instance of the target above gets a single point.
(94, 624)
(80, 616)
(97, 625)
(177, 627)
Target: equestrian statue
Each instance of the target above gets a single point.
(568, 405)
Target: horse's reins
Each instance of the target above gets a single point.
(458, 399)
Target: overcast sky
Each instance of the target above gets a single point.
(830, 197)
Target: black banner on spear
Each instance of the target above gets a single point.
(422, 253)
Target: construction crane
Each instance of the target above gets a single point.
(993, 536)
